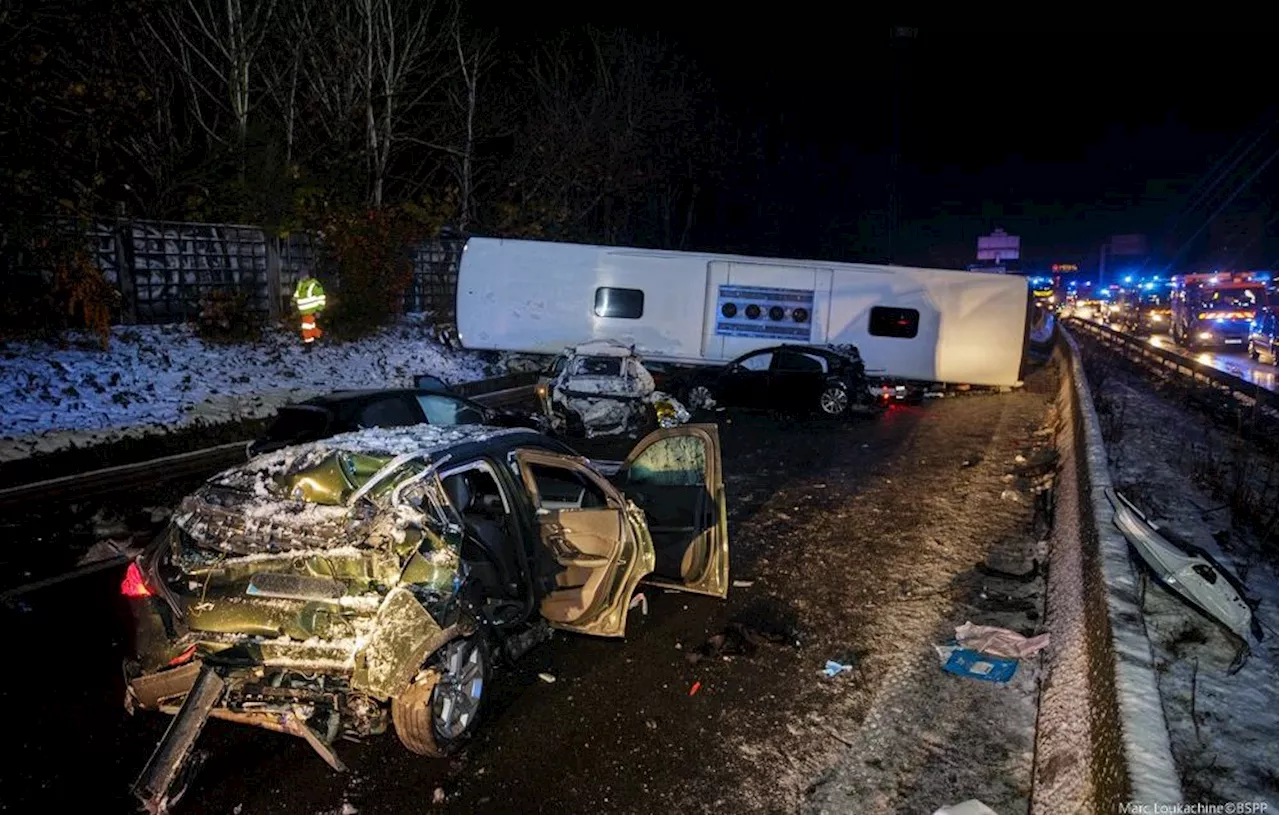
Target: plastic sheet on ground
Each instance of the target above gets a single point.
(1000, 642)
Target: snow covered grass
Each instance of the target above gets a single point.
(1223, 727)
(160, 378)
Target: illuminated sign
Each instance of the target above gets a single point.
(765, 313)
(1065, 267)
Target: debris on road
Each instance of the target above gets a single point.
(737, 639)
(1000, 642)
(1191, 572)
(1023, 577)
(1010, 495)
(971, 807)
(437, 797)
(743, 584)
(697, 686)
(642, 601)
(833, 668)
(970, 663)
(546, 677)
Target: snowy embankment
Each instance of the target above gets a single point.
(154, 379)
(1184, 474)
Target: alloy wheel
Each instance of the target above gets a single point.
(834, 401)
(456, 700)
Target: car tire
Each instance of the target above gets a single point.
(834, 400)
(698, 397)
(426, 716)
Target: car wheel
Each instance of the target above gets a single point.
(439, 711)
(1253, 352)
(699, 397)
(834, 400)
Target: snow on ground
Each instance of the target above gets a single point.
(155, 378)
(1223, 727)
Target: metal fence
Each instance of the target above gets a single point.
(166, 270)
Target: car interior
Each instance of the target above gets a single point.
(488, 547)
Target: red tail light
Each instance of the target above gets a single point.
(133, 585)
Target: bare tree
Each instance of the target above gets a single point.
(402, 67)
(215, 44)
(610, 137)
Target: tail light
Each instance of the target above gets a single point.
(133, 584)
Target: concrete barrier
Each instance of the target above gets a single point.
(1101, 737)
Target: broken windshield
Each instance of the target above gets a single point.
(597, 366)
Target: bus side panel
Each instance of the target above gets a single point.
(756, 305)
(856, 292)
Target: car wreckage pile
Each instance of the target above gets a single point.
(341, 582)
(602, 388)
(324, 589)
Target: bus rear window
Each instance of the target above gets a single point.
(625, 303)
(887, 321)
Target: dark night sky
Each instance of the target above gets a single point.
(1065, 128)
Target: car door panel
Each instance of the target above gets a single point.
(796, 380)
(745, 382)
(674, 475)
(601, 552)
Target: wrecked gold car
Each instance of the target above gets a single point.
(378, 577)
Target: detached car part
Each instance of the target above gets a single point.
(1189, 572)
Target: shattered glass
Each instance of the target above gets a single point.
(678, 461)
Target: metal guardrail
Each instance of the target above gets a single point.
(493, 392)
(115, 479)
(1249, 393)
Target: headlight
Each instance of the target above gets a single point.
(1156, 318)
(1205, 335)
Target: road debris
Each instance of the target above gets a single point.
(1023, 577)
(970, 663)
(971, 807)
(1000, 642)
(1010, 495)
(1191, 572)
(437, 797)
(737, 639)
(697, 686)
(833, 668)
(743, 584)
(642, 601)
(546, 677)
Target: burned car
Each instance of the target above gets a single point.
(602, 388)
(377, 578)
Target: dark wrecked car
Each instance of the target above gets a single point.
(786, 378)
(378, 578)
(345, 411)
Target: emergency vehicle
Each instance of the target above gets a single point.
(1215, 310)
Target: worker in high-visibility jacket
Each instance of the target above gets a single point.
(310, 301)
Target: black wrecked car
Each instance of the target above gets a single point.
(831, 380)
(344, 411)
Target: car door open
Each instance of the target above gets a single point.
(674, 476)
(596, 539)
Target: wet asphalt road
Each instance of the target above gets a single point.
(619, 729)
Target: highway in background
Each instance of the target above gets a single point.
(1228, 360)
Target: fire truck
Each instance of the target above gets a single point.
(1215, 310)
